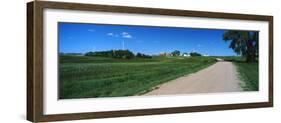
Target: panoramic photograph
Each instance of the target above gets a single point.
(104, 60)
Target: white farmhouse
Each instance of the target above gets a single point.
(186, 55)
(206, 55)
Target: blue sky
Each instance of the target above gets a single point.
(82, 38)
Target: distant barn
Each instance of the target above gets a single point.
(186, 55)
(165, 54)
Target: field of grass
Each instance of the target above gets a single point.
(88, 77)
(248, 73)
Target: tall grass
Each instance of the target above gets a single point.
(249, 73)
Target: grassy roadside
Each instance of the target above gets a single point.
(248, 73)
(86, 77)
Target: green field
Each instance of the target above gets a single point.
(88, 77)
(248, 73)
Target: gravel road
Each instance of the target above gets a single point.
(220, 77)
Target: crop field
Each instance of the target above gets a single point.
(89, 77)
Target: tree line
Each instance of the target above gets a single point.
(127, 54)
(121, 54)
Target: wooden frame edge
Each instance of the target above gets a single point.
(153, 11)
(35, 61)
(142, 112)
(30, 88)
(270, 47)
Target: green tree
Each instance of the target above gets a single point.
(245, 43)
(195, 54)
(141, 55)
(123, 54)
(176, 53)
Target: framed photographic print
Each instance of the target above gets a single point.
(95, 61)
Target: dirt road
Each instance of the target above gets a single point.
(220, 77)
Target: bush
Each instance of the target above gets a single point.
(195, 54)
(140, 55)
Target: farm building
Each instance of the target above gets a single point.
(165, 54)
(186, 55)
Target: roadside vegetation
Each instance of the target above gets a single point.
(248, 72)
